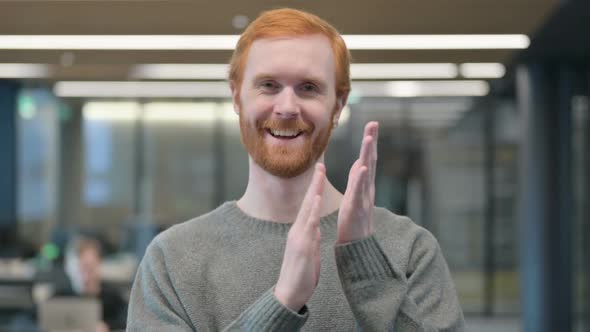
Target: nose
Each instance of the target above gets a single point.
(287, 105)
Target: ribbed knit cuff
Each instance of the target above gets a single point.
(363, 260)
(268, 314)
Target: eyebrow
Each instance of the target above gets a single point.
(262, 77)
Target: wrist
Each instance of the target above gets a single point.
(288, 301)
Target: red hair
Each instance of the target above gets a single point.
(291, 22)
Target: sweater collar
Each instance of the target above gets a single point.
(233, 213)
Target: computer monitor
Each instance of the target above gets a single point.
(70, 314)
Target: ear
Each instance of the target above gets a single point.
(340, 103)
(235, 95)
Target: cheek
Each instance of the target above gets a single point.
(263, 103)
(257, 108)
(320, 113)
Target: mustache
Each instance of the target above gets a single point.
(289, 124)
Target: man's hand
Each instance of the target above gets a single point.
(300, 271)
(355, 219)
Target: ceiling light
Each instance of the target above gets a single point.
(159, 112)
(402, 70)
(111, 111)
(142, 89)
(240, 21)
(421, 88)
(180, 112)
(228, 42)
(482, 70)
(435, 42)
(200, 71)
(119, 42)
(24, 70)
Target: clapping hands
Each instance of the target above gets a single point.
(300, 270)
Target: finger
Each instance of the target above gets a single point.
(358, 188)
(371, 130)
(317, 258)
(375, 135)
(316, 187)
(313, 221)
(370, 158)
(365, 154)
(368, 131)
(351, 175)
(373, 165)
(367, 162)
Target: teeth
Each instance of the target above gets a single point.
(284, 133)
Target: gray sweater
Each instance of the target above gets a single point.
(217, 272)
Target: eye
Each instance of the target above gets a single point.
(309, 88)
(268, 86)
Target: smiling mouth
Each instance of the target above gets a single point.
(284, 133)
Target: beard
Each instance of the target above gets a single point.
(283, 161)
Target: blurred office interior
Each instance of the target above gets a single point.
(116, 121)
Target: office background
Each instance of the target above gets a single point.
(486, 145)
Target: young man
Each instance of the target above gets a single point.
(294, 253)
(82, 266)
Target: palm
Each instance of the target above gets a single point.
(300, 271)
(355, 219)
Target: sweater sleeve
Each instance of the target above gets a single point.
(382, 298)
(155, 304)
(268, 314)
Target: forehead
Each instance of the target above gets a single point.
(307, 55)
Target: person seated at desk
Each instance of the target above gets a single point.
(82, 266)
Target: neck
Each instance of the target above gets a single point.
(269, 197)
